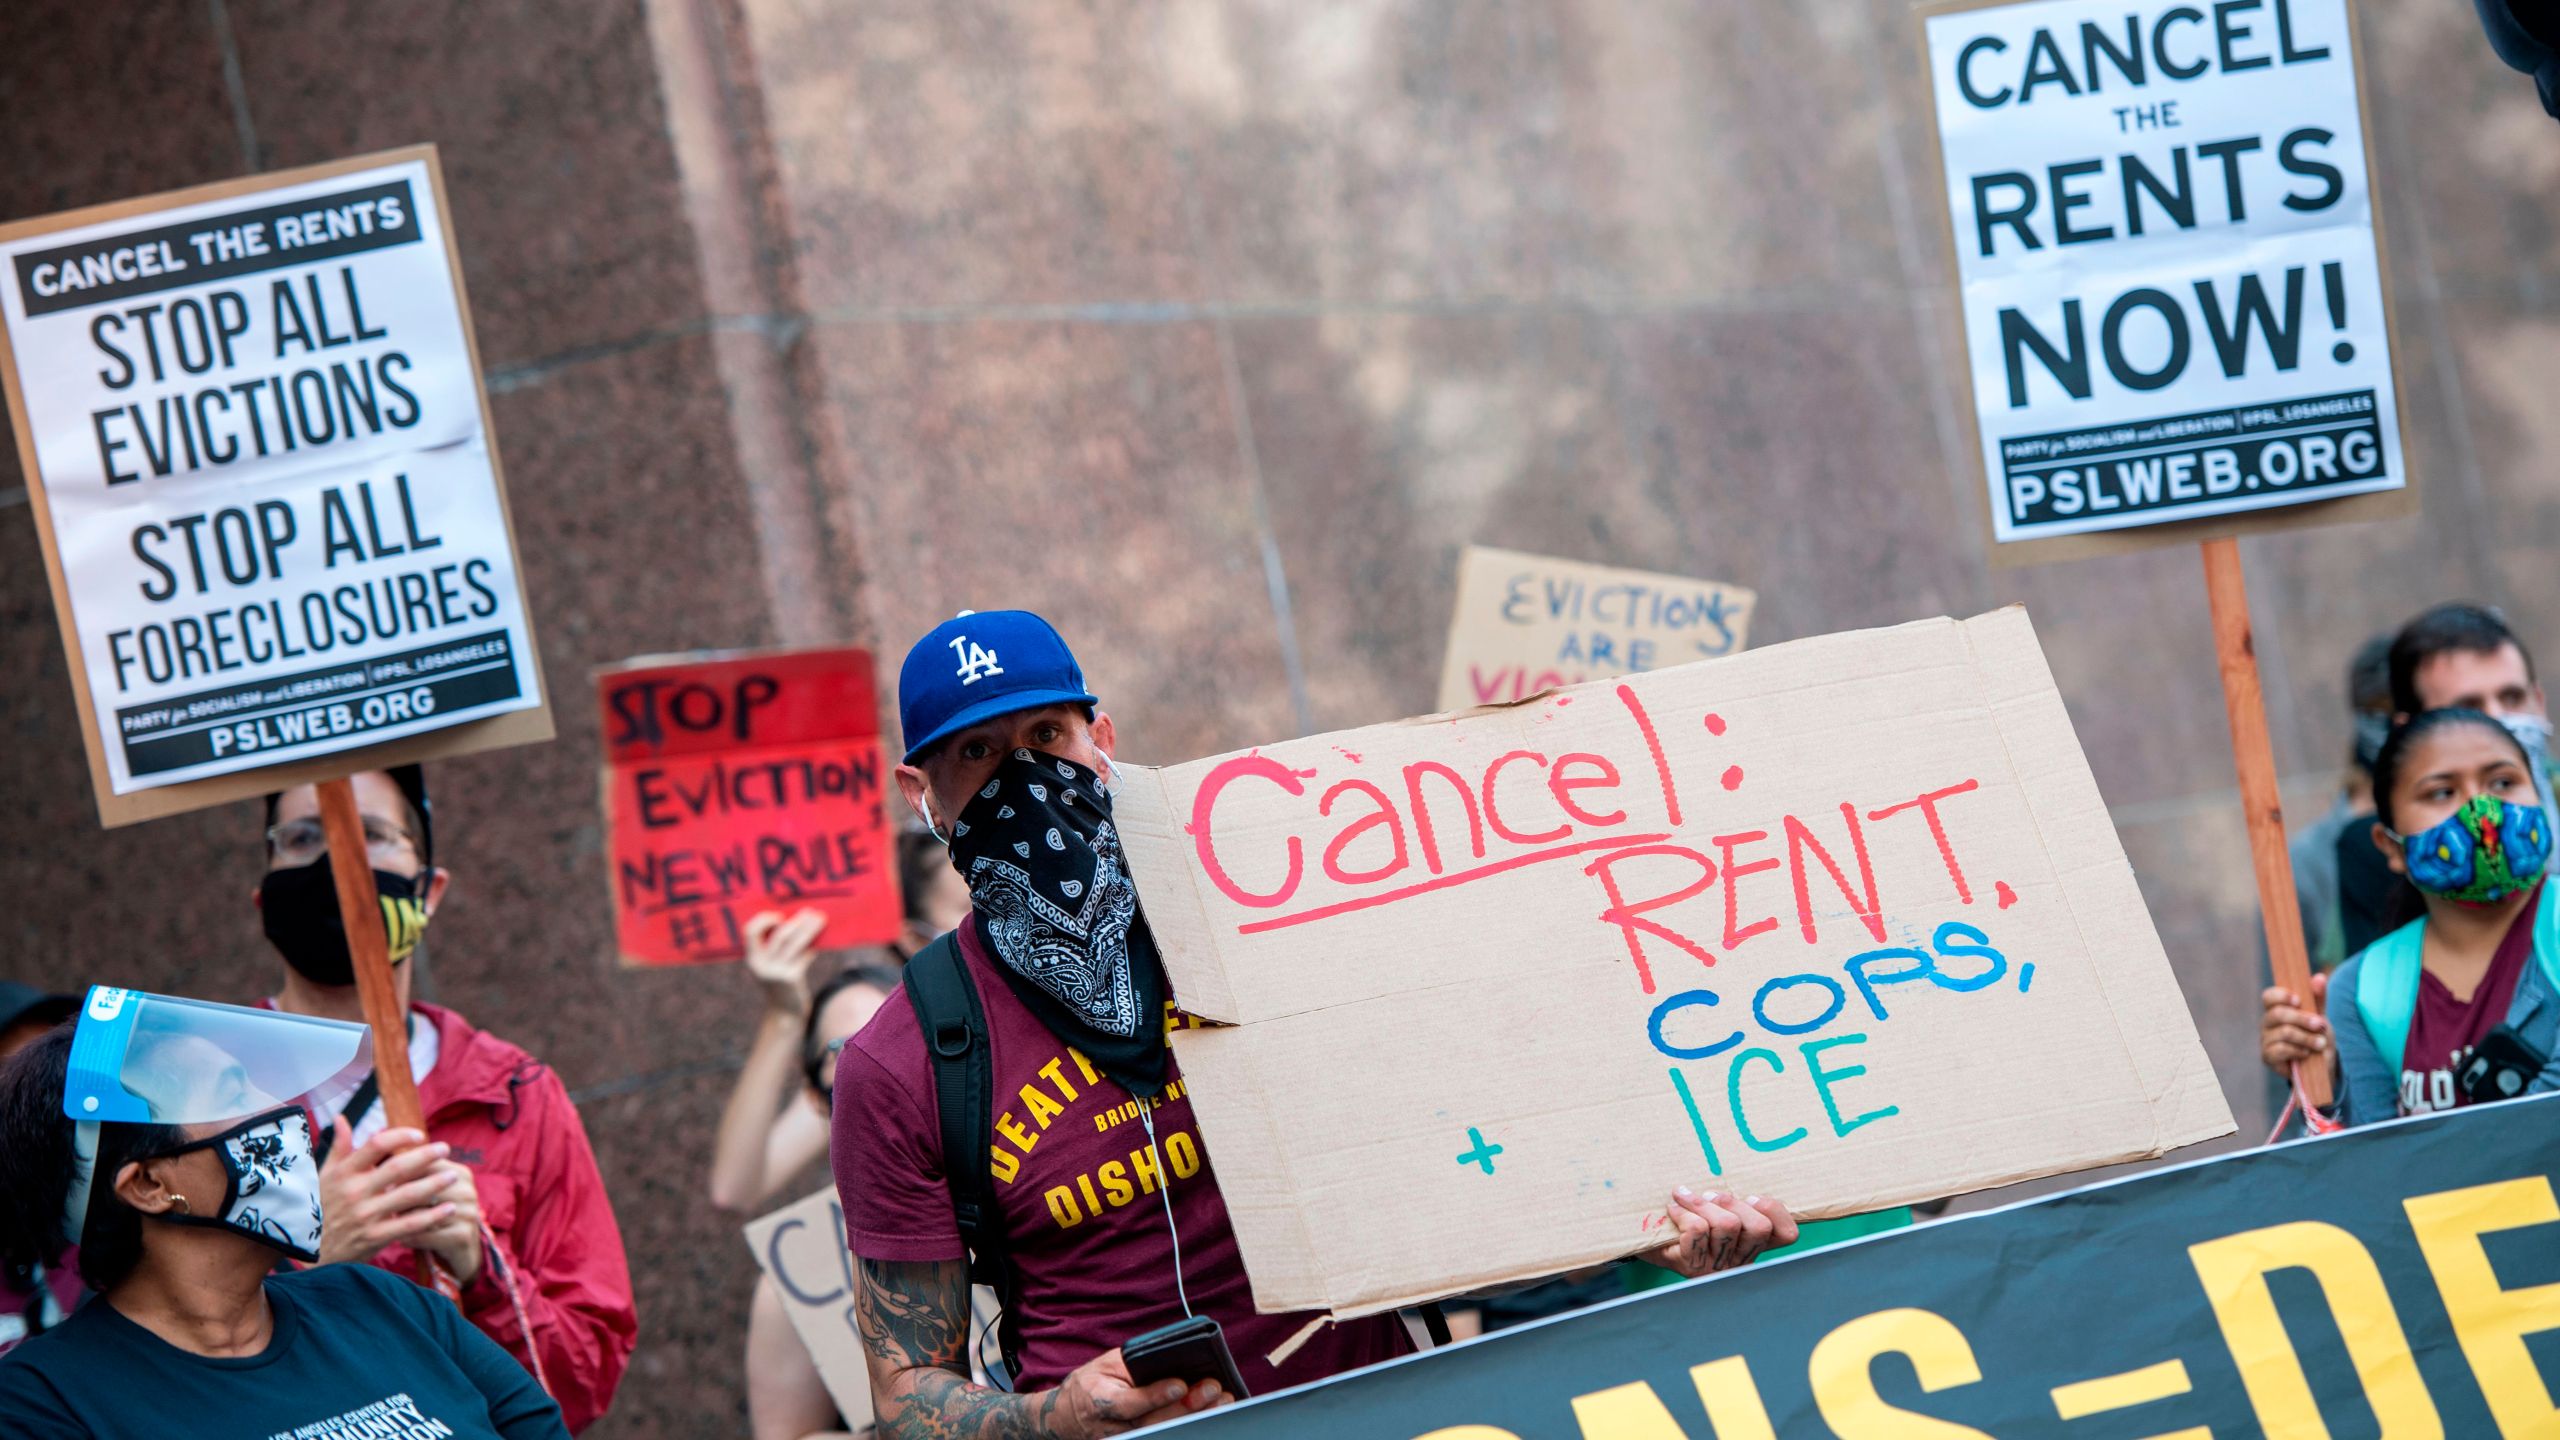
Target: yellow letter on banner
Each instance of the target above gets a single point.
(1734, 1410)
(2491, 1323)
(2234, 1272)
(1634, 1412)
(1846, 1393)
(1625, 1412)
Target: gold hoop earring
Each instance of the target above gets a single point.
(181, 1202)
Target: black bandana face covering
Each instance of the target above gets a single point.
(1056, 904)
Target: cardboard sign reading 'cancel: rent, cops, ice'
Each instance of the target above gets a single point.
(1841, 921)
(738, 783)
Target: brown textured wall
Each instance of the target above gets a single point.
(1212, 329)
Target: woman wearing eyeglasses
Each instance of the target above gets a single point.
(501, 1187)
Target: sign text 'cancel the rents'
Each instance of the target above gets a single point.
(1841, 921)
(253, 428)
(2163, 222)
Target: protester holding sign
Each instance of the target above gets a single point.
(194, 1178)
(790, 1069)
(502, 1187)
(1101, 1216)
(2461, 1005)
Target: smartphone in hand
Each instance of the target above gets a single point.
(1191, 1349)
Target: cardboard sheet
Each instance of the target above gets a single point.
(1526, 623)
(1842, 921)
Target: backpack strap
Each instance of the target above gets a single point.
(955, 1037)
(2387, 990)
(2546, 937)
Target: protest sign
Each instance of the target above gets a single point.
(252, 426)
(1526, 623)
(1842, 921)
(801, 1246)
(2399, 1278)
(736, 783)
(2169, 264)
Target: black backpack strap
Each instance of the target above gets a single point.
(955, 1037)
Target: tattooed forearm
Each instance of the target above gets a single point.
(914, 1320)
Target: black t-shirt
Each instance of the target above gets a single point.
(357, 1352)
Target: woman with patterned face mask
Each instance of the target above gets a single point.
(169, 1140)
(2462, 1003)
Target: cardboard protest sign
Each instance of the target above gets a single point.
(1841, 921)
(802, 1247)
(2169, 262)
(2206, 1299)
(743, 782)
(1526, 623)
(254, 435)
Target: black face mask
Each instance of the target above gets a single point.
(299, 908)
(1054, 901)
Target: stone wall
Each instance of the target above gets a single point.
(1212, 329)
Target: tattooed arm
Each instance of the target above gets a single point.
(914, 1319)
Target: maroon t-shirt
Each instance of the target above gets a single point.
(2444, 1029)
(1079, 1189)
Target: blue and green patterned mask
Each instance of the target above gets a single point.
(2482, 853)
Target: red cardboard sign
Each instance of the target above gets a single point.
(736, 783)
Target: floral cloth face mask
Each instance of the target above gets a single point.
(2482, 853)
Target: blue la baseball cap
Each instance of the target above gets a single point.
(978, 665)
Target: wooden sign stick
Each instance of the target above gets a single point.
(360, 909)
(2227, 588)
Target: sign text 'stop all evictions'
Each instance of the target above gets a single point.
(2163, 224)
(253, 423)
(1841, 921)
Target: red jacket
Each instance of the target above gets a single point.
(509, 1118)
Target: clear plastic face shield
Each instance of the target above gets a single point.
(138, 1058)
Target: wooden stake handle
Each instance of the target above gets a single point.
(360, 909)
(2253, 756)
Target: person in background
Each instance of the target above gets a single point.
(2340, 841)
(184, 1197)
(2478, 972)
(937, 899)
(2340, 885)
(501, 1188)
(1008, 757)
(42, 1292)
(790, 1069)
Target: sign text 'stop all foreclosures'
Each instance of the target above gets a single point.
(255, 428)
(2164, 232)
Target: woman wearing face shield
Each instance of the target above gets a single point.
(168, 1140)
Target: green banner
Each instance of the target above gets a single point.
(2401, 1281)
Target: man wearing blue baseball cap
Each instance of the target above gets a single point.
(1095, 1215)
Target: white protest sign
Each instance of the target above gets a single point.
(2164, 231)
(1526, 623)
(801, 1247)
(1842, 921)
(252, 424)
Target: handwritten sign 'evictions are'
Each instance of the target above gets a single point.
(1841, 921)
(1526, 623)
(741, 783)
